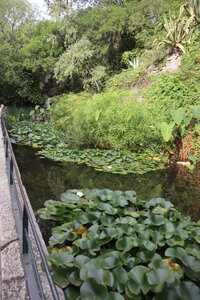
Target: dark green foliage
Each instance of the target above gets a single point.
(16, 114)
(111, 243)
(42, 45)
(116, 28)
(17, 86)
(107, 28)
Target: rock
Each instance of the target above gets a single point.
(184, 163)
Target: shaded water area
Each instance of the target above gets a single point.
(45, 179)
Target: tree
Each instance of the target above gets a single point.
(77, 64)
(16, 84)
(58, 8)
(43, 43)
(14, 14)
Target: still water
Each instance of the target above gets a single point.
(45, 179)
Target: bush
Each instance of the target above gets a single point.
(153, 57)
(125, 79)
(112, 244)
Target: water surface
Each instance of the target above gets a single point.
(46, 179)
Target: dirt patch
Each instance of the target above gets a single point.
(173, 63)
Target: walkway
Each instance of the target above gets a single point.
(17, 279)
(12, 276)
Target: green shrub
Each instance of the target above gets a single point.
(191, 60)
(125, 79)
(117, 118)
(153, 57)
(112, 244)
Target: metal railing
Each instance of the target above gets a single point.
(26, 219)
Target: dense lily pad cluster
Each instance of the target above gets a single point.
(54, 147)
(116, 162)
(111, 245)
(37, 135)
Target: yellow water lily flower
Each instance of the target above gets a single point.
(80, 231)
(171, 265)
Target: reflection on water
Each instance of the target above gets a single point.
(45, 179)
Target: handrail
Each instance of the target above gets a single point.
(27, 217)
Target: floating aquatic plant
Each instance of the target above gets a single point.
(111, 245)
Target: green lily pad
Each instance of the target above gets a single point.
(192, 262)
(120, 278)
(93, 290)
(185, 291)
(60, 276)
(139, 276)
(62, 259)
(72, 293)
(160, 276)
(126, 243)
(157, 220)
(93, 269)
(175, 252)
(80, 260)
(115, 296)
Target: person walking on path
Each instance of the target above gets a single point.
(1, 108)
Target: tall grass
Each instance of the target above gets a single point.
(113, 119)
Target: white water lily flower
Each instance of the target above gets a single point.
(109, 167)
(80, 194)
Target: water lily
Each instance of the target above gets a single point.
(80, 194)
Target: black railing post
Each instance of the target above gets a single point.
(25, 229)
(11, 171)
(1, 122)
(4, 137)
(6, 148)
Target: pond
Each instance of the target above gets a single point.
(46, 179)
